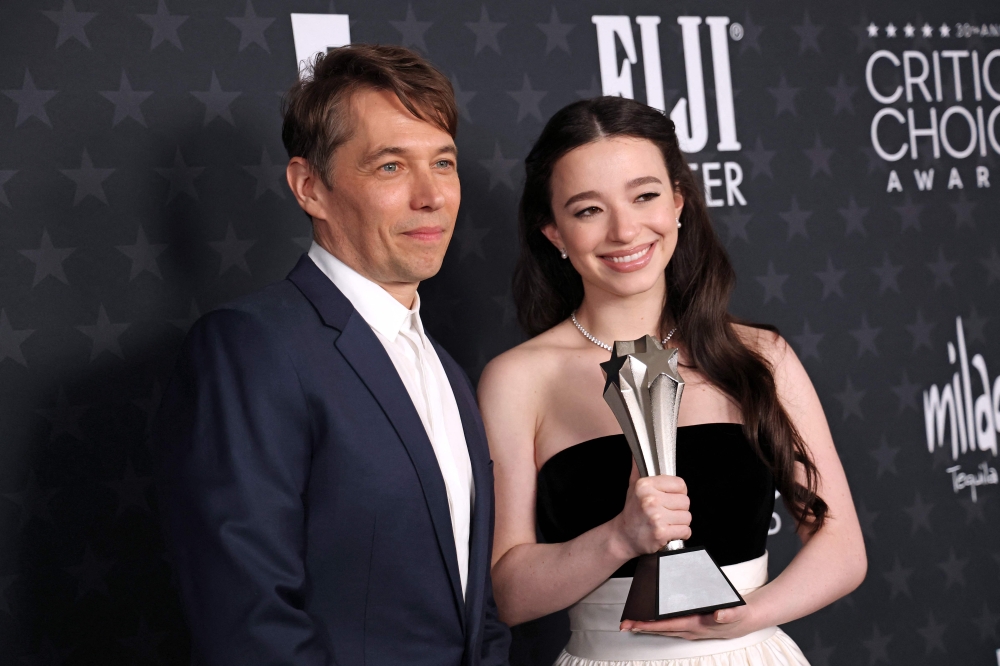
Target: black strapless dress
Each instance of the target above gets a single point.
(731, 491)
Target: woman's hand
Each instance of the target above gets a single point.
(726, 623)
(655, 513)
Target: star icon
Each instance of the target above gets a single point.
(944, 30)
(867, 519)
(592, 92)
(736, 222)
(921, 332)
(842, 96)
(555, 33)
(796, 219)
(819, 157)
(270, 176)
(30, 101)
(992, 266)
(216, 101)
(527, 100)
(909, 30)
(104, 335)
(773, 284)
(181, 177)
(906, 391)
(127, 102)
(471, 239)
(872, 30)
(233, 251)
(898, 579)
(920, 514)
(751, 35)
(88, 179)
(90, 574)
(987, 624)
(48, 260)
(942, 269)
(462, 99)
(927, 30)
(890, 30)
(909, 214)
(71, 23)
(251, 28)
(831, 278)
(963, 212)
(854, 215)
(486, 31)
(887, 275)
(953, 569)
(877, 646)
(411, 30)
(808, 34)
(164, 25)
(808, 341)
(885, 456)
(5, 175)
(933, 633)
(850, 399)
(760, 158)
(875, 163)
(974, 508)
(143, 255)
(499, 168)
(974, 325)
(784, 96)
(11, 340)
(865, 335)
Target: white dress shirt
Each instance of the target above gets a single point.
(402, 334)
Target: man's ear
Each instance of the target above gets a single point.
(551, 232)
(306, 185)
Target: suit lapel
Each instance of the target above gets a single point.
(364, 352)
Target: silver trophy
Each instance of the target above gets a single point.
(644, 391)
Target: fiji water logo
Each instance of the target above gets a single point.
(953, 416)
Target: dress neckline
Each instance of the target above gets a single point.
(617, 435)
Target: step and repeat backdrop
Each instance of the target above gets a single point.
(850, 153)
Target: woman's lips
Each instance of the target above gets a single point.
(626, 261)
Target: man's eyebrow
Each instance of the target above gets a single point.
(399, 150)
(589, 194)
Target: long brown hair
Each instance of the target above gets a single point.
(699, 277)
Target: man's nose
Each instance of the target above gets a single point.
(427, 193)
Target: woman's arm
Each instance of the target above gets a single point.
(532, 579)
(831, 563)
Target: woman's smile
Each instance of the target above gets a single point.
(629, 260)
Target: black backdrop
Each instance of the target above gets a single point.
(141, 184)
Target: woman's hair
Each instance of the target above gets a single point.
(699, 280)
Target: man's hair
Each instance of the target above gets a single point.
(316, 110)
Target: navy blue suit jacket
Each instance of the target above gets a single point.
(302, 499)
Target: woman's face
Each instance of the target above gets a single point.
(615, 213)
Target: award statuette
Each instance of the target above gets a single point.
(644, 391)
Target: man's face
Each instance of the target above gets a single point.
(394, 196)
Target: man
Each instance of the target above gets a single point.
(326, 482)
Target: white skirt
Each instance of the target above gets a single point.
(596, 640)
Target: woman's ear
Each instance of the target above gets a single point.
(551, 232)
(678, 201)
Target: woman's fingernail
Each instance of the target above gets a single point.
(722, 616)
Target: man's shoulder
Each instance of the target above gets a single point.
(278, 307)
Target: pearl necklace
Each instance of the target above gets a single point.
(606, 346)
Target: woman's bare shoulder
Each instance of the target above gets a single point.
(531, 361)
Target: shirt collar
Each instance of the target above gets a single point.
(377, 307)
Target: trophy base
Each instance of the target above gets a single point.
(677, 583)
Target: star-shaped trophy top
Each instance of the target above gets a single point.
(654, 358)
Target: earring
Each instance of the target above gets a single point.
(678, 221)
(562, 252)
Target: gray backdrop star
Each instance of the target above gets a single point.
(555, 33)
(486, 31)
(736, 222)
(831, 278)
(850, 399)
(854, 215)
(233, 251)
(920, 514)
(909, 213)
(867, 519)
(64, 418)
(71, 23)
(875, 163)
(760, 158)
(270, 176)
(251, 28)
(164, 25)
(462, 99)
(751, 33)
(181, 177)
(861, 33)
(527, 100)
(842, 96)
(773, 284)
(48, 260)
(963, 211)
(819, 158)
(784, 96)
(104, 335)
(127, 102)
(933, 634)
(88, 179)
(411, 30)
(143, 255)
(987, 623)
(877, 646)
(5, 175)
(992, 266)
(11, 340)
(921, 332)
(592, 92)
(90, 574)
(898, 579)
(499, 168)
(887, 274)
(906, 391)
(808, 34)
(974, 326)
(885, 456)
(30, 101)
(953, 569)
(216, 101)
(808, 341)
(974, 511)
(470, 238)
(865, 335)
(796, 219)
(941, 270)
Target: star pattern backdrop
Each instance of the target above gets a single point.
(141, 185)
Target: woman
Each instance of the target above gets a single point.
(616, 243)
